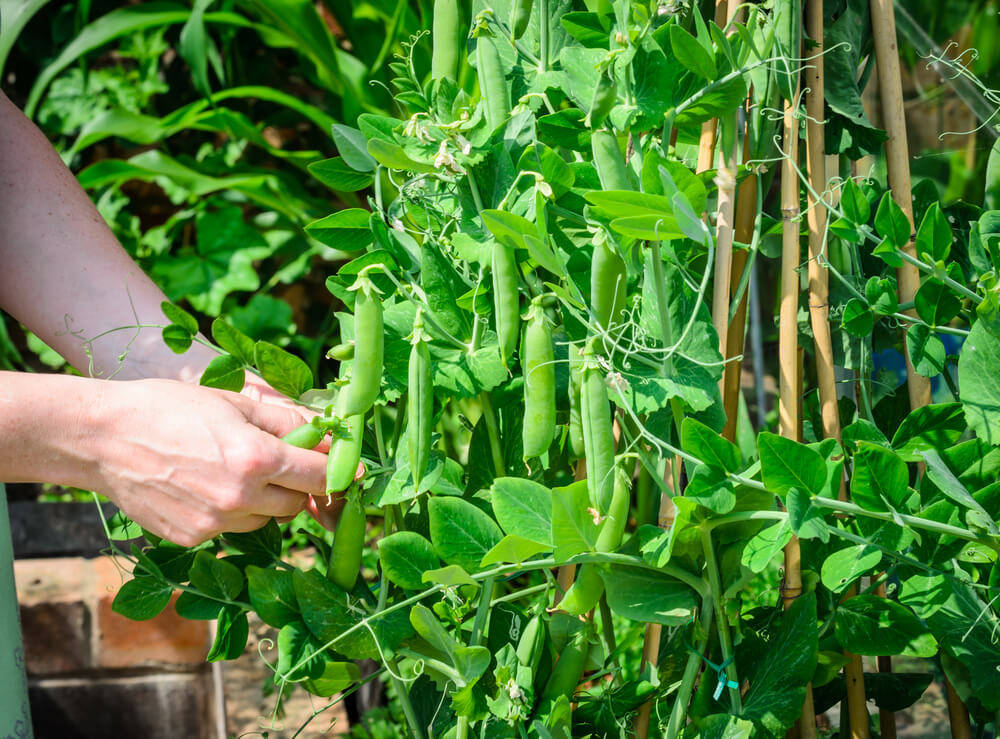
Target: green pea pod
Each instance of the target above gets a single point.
(506, 305)
(588, 587)
(532, 641)
(598, 437)
(345, 454)
(419, 404)
(341, 352)
(539, 426)
(608, 282)
(576, 446)
(306, 436)
(568, 670)
(492, 82)
(348, 543)
(604, 99)
(369, 349)
(520, 14)
(609, 161)
(447, 35)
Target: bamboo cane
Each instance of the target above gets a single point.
(897, 163)
(746, 212)
(819, 308)
(790, 377)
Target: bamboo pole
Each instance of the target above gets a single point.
(819, 308)
(897, 157)
(789, 361)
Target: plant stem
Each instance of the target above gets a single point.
(691, 670)
(725, 637)
(489, 417)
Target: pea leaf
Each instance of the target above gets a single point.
(142, 598)
(462, 534)
(936, 303)
(523, 508)
(225, 372)
(934, 236)
(645, 595)
(233, 340)
(180, 317)
(339, 176)
(272, 595)
(351, 145)
(216, 577)
(405, 557)
(880, 478)
(979, 383)
(935, 426)
(891, 222)
(513, 548)
(285, 372)
(871, 625)
(710, 447)
(691, 54)
(926, 350)
(346, 230)
(573, 526)
(761, 550)
(842, 568)
(232, 630)
(177, 338)
(787, 464)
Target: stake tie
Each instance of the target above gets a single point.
(720, 671)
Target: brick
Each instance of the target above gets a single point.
(167, 639)
(55, 618)
(147, 707)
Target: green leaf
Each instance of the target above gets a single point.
(180, 317)
(353, 148)
(891, 222)
(787, 464)
(854, 203)
(513, 548)
(197, 608)
(336, 174)
(648, 596)
(451, 576)
(232, 340)
(272, 595)
(346, 230)
(263, 543)
(142, 598)
(336, 677)
(523, 508)
(405, 556)
(871, 625)
(805, 519)
(926, 350)
(881, 294)
(225, 372)
(979, 383)
(710, 447)
(944, 479)
(842, 568)
(329, 613)
(936, 426)
(881, 480)
(295, 644)
(778, 685)
(391, 155)
(858, 319)
(285, 372)
(232, 631)
(762, 549)
(934, 236)
(177, 338)
(216, 577)
(462, 534)
(573, 526)
(936, 304)
(691, 54)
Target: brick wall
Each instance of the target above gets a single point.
(95, 674)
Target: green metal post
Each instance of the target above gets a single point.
(15, 718)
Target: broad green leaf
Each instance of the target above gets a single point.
(336, 677)
(724, 726)
(224, 372)
(881, 480)
(231, 633)
(765, 546)
(142, 598)
(391, 155)
(197, 608)
(710, 447)
(881, 294)
(272, 595)
(296, 645)
(513, 548)
(405, 556)
(872, 625)
(573, 527)
(936, 303)
(619, 203)
(709, 487)
(648, 227)
(979, 383)
(216, 577)
(936, 426)
(926, 350)
(806, 519)
(854, 203)
(461, 533)
(180, 316)
(263, 543)
(891, 222)
(233, 340)
(787, 464)
(842, 568)
(857, 319)
(346, 230)
(353, 148)
(691, 54)
(939, 473)
(338, 176)
(451, 576)
(523, 508)
(283, 371)
(934, 235)
(177, 338)
(646, 595)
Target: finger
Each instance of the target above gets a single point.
(303, 470)
(326, 511)
(276, 420)
(275, 501)
(250, 522)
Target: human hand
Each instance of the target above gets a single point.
(189, 463)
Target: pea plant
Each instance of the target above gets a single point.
(568, 524)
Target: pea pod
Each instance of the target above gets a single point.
(576, 446)
(598, 437)
(520, 14)
(341, 352)
(369, 348)
(506, 305)
(607, 284)
(306, 436)
(589, 586)
(539, 426)
(492, 82)
(568, 670)
(348, 542)
(345, 454)
(609, 161)
(419, 403)
(446, 32)
(532, 641)
(604, 99)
